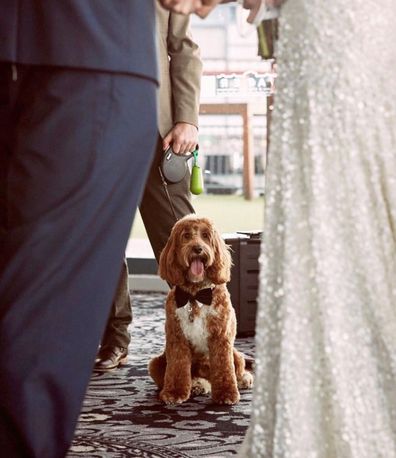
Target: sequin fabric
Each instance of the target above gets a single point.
(325, 382)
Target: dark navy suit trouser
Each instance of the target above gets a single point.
(75, 148)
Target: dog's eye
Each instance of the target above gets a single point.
(187, 236)
(205, 235)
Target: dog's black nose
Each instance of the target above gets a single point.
(197, 249)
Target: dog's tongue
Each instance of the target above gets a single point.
(197, 268)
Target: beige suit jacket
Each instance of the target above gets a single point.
(180, 69)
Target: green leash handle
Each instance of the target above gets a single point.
(196, 181)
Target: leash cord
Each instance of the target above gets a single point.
(164, 182)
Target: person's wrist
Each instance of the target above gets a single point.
(187, 123)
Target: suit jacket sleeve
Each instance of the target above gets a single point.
(185, 68)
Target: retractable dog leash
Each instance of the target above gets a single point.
(173, 169)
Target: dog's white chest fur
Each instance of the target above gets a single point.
(196, 331)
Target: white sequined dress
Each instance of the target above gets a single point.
(325, 383)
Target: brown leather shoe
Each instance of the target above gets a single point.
(109, 358)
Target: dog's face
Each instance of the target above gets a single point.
(195, 253)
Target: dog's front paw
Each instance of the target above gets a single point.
(227, 396)
(246, 381)
(174, 396)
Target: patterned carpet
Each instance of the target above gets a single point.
(122, 416)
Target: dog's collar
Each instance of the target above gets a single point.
(203, 295)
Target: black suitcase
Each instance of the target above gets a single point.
(243, 286)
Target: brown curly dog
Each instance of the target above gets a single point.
(200, 326)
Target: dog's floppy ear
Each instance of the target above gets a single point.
(169, 269)
(220, 271)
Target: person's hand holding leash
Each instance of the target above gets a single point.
(183, 137)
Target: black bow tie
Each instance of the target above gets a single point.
(182, 297)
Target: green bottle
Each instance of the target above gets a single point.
(196, 182)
